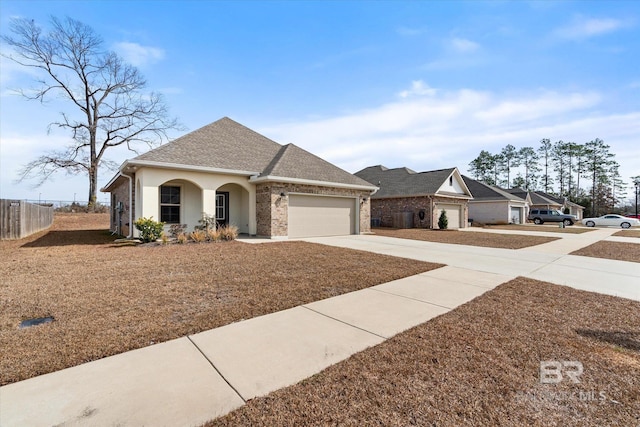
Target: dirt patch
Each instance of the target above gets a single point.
(628, 233)
(107, 299)
(475, 238)
(472, 367)
(620, 251)
(544, 228)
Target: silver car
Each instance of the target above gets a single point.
(611, 220)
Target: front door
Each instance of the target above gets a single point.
(222, 208)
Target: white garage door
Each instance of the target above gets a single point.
(321, 216)
(453, 215)
(516, 215)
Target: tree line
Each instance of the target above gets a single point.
(586, 174)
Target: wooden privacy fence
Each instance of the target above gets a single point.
(19, 218)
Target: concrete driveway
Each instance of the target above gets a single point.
(549, 262)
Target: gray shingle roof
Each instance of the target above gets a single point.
(485, 192)
(226, 144)
(400, 182)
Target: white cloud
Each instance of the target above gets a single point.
(582, 28)
(463, 45)
(139, 55)
(432, 128)
(418, 87)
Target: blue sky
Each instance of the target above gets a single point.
(401, 83)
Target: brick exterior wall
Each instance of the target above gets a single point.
(383, 209)
(121, 194)
(272, 209)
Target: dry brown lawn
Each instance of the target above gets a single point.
(107, 299)
(475, 238)
(546, 228)
(478, 365)
(628, 233)
(620, 251)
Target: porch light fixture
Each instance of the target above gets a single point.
(283, 194)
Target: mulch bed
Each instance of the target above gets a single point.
(107, 299)
(544, 228)
(620, 251)
(489, 240)
(479, 365)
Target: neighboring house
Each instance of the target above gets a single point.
(415, 199)
(242, 178)
(566, 205)
(542, 200)
(493, 205)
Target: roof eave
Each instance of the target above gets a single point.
(133, 165)
(273, 178)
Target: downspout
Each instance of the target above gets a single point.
(130, 205)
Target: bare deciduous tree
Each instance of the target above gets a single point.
(108, 107)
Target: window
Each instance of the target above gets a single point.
(170, 204)
(451, 180)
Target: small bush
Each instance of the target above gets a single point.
(176, 229)
(443, 222)
(229, 232)
(182, 238)
(164, 238)
(207, 222)
(150, 230)
(198, 236)
(213, 235)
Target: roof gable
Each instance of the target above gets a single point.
(402, 182)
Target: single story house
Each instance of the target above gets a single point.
(542, 200)
(242, 178)
(407, 199)
(493, 205)
(566, 205)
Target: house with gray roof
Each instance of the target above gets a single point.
(493, 205)
(407, 199)
(240, 177)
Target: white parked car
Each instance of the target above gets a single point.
(611, 220)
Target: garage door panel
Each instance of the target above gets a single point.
(453, 214)
(321, 216)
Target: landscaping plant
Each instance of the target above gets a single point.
(150, 230)
(443, 222)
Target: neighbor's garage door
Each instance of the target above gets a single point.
(516, 215)
(321, 216)
(453, 214)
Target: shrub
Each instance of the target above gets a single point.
(207, 222)
(213, 235)
(198, 236)
(443, 222)
(182, 238)
(176, 229)
(164, 238)
(150, 230)
(229, 232)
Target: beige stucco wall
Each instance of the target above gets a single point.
(199, 196)
(272, 209)
(383, 209)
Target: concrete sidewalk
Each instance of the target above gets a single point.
(193, 379)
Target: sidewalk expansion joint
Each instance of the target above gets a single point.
(416, 299)
(216, 369)
(345, 323)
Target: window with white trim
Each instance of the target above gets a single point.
(170, 204)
